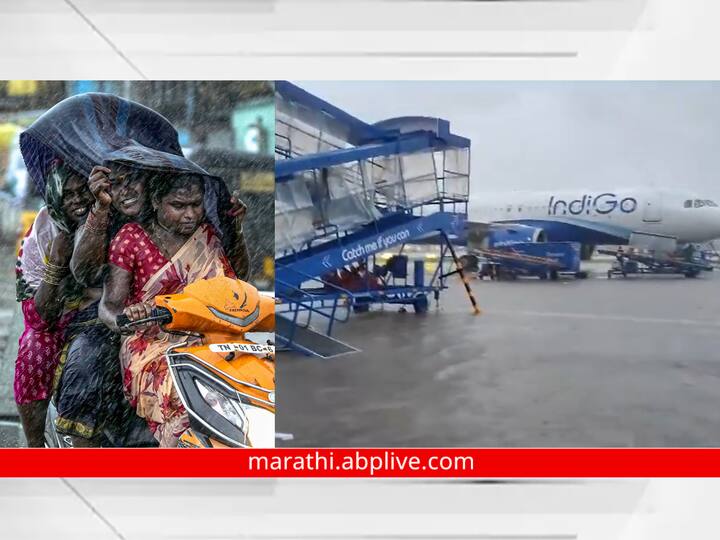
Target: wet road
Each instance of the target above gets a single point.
(10, 329)
(586, 363)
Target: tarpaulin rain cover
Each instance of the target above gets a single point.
(101, 129)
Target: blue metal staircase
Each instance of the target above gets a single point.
(381, 235)
(402, 181)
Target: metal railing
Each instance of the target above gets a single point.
(326, 304)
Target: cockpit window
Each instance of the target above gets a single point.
(698, 203)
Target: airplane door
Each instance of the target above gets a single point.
(652, 211)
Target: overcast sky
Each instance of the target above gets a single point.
(549, 135)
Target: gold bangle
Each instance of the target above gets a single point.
(97, 230)
(51, 279)
(54, 274)
(96, 227)
(55, 266)
(93, 227)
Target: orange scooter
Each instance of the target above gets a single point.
(226, 381)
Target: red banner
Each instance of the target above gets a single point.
(351, 462)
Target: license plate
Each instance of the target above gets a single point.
(250, 348)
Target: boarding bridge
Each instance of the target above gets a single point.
(346, 191)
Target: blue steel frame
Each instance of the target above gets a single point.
(394, 229)
(357, 132)
(379, 236)
(370, 141)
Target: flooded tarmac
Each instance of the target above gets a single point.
(595, 362)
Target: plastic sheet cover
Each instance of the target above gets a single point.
(102, 129)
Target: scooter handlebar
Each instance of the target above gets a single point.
(158, 315)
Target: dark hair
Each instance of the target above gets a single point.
(162, 185)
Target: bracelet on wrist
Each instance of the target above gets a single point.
(56, 267)
(54, 275)
(95, 223)
(94, 230)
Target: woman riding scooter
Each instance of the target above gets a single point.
(89, 384)
(128, 139)
(161, 257)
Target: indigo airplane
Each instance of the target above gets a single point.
(603, 217)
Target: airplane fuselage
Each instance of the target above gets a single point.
(605, 217)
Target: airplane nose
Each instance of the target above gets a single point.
(713, 221)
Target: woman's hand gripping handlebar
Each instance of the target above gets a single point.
(157, 315)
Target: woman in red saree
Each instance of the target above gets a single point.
(49, 295)
(174, 249)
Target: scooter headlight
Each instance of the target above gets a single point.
(228, 408)
(218, 410)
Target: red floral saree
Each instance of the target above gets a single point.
(146, 379)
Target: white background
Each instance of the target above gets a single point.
(304, 40)
(358, 509)
(329, 509)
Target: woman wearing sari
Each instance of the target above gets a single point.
(48, 294)
(89, 396)
(175, 248)
(90, 404)
(120, 198)
(118, 145)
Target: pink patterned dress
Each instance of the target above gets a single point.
(148, 385)
(39, 345)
